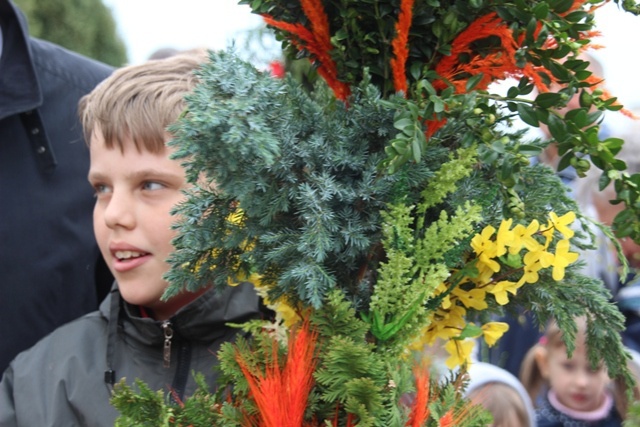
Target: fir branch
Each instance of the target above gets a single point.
(442, 235)
(138, 409)
(364, 399)
(394, 275)
(338, 317)
(446, 179)
(344, 360)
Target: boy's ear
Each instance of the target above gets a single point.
(541, 355)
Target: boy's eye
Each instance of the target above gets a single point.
(152, 185)
(100, 188)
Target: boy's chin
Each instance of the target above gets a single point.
(152, 300)
(135, 296)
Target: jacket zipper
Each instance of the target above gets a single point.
(166, 351)
(184, 360)
(182, 371)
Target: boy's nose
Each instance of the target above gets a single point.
(119, 211)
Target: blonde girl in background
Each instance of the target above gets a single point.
(503, 402)
(568, 391)
(501, 393)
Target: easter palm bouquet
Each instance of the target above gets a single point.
(387, 206)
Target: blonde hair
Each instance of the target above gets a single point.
(533, 381)
(140, 101)
(502, 401)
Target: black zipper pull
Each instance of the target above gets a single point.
(166, 351)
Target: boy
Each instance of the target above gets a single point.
(66, 379)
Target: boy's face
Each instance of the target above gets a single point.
(135, 193)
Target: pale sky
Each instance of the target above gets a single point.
(147, 25)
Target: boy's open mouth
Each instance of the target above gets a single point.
(125, 255)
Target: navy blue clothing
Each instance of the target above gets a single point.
(548, 416)
(511, 348)
(50, 271)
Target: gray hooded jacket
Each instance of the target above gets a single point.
(66, 378)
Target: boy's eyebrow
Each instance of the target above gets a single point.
(136, 175)
(146, 173)
(95, 176)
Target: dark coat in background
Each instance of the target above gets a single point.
(50, 270)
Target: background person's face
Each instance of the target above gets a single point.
(575, 383)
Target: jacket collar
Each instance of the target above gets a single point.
(19, 86)
(204, 319)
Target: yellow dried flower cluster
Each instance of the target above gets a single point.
(502, 256)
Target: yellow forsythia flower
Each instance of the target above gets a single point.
(459, 352)
(500, 290)
(562, 259)
(562, 223)
(492, 332)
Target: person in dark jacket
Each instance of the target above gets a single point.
(51, 271)
(66, 378)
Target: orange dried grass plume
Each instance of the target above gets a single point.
(399, 46)
(453, 418)
(577, 4)
(281, 393)
(496, 65)
(420, 406)
(447, 420)
(317, 41)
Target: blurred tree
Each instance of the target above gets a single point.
(83, 26)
